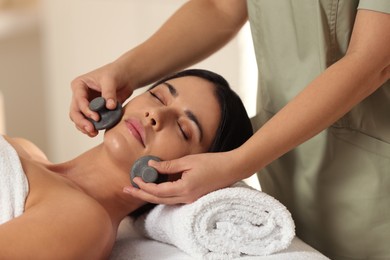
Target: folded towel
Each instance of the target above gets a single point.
(226, 223)
(13, 183)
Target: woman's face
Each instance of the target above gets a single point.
(176, 118)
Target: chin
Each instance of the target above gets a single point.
(120, 149)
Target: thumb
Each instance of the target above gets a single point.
(170, 166)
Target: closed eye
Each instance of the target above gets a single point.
(156, 97)
(185, 135)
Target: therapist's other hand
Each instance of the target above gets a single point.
(107, 81)
(201, 174)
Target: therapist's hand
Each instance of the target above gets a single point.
(110, 81)
(201, 174)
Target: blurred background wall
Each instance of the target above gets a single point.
(21, 77)
(45, 44)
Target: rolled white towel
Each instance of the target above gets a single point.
(13, 183)
(226, 223)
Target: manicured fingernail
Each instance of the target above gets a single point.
(127, 190)
(110, 103)
(94, 117)
(152, 163)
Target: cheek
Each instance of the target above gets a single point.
(134, 105)
(169, 147)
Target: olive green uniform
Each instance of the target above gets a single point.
(337, 184)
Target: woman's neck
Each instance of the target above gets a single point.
(96, 174)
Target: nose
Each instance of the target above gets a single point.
(157, 118)
(150, 119)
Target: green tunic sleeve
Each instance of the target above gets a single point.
(375, 5)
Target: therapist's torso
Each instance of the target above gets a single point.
(336, 185)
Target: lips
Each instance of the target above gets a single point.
(136, 129)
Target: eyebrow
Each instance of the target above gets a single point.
(189, 113)
(171, 88)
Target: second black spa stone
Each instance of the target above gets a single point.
(147, 173)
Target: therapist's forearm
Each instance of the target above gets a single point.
(323, 102)
(196, 30)
(364, 68)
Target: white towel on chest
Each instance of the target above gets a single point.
(13, 183)
(224, 224)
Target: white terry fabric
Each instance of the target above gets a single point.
(131, 245)
(226, 223)
(13, 183)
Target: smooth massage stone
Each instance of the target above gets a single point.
(147, 173)
(108, 118)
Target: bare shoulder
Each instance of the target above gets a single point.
(86, 225)
(61, 227)
(27, 148)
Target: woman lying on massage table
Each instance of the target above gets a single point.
(73, 209)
